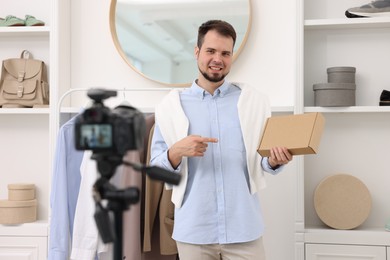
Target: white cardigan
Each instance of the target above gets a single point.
(253, 109)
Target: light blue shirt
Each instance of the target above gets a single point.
(64, 191)
(218, 206)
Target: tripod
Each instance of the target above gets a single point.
(119, 200)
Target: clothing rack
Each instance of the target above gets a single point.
(70, 91)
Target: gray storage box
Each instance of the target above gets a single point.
(334, 94)
(341, 74)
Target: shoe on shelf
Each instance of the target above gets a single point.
(11, 20)
(384, 100)
(32, 21)
(377, 8)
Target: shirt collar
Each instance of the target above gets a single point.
(201, 93)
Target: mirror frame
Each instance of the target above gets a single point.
(125, 58)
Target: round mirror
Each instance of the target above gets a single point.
(157, 37)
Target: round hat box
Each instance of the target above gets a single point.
(18, 211)
(341, 74)
(21, 191)
(342, 201)
(334, 94)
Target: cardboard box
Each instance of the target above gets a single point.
(18, 211)
(301, 134)
(21, 191)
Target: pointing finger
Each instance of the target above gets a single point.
(209, 140)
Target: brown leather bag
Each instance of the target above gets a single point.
(23, 82)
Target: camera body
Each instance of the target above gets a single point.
(109, 131)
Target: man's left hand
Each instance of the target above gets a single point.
(279, 156)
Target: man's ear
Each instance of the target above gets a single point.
(196, 52)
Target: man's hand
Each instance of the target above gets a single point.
(279, 156)
(192, 145)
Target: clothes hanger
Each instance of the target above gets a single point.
(124, 101)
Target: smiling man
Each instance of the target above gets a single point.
(209, 134)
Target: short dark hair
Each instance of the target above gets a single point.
(222, 27)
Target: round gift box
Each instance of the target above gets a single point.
(18, 212)
(21, 191)
(334, 94)
(341, 74)
(342, 201)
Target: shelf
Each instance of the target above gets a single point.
(38, 228)
(25, 30)
(374, 236)
(347, 23)
(353, 109)
(24, 111)
(282, 109)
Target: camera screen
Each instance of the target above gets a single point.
(95, 136)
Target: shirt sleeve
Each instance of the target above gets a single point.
(159, 152)
(266, 167)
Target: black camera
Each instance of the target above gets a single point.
(107, 131)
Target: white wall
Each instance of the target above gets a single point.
(268, 62)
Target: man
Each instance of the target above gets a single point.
(209, 134)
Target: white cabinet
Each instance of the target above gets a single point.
(344, 252)
(355, 139)
(23, 248)
(24, 242)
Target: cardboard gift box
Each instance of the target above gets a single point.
(18, 211)
(342, 201)
(21, 191)
(300, 133)
(21, 206)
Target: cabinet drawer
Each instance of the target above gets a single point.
(23, 248)
(344, 252)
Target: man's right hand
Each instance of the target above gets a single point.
(192, 145)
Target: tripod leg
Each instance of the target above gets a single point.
(118, 251)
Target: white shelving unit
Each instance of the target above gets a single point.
(355, 139)
(25, 142)
(27, 135)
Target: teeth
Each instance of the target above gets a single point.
(215, 68)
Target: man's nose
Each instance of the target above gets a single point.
(217, 57)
